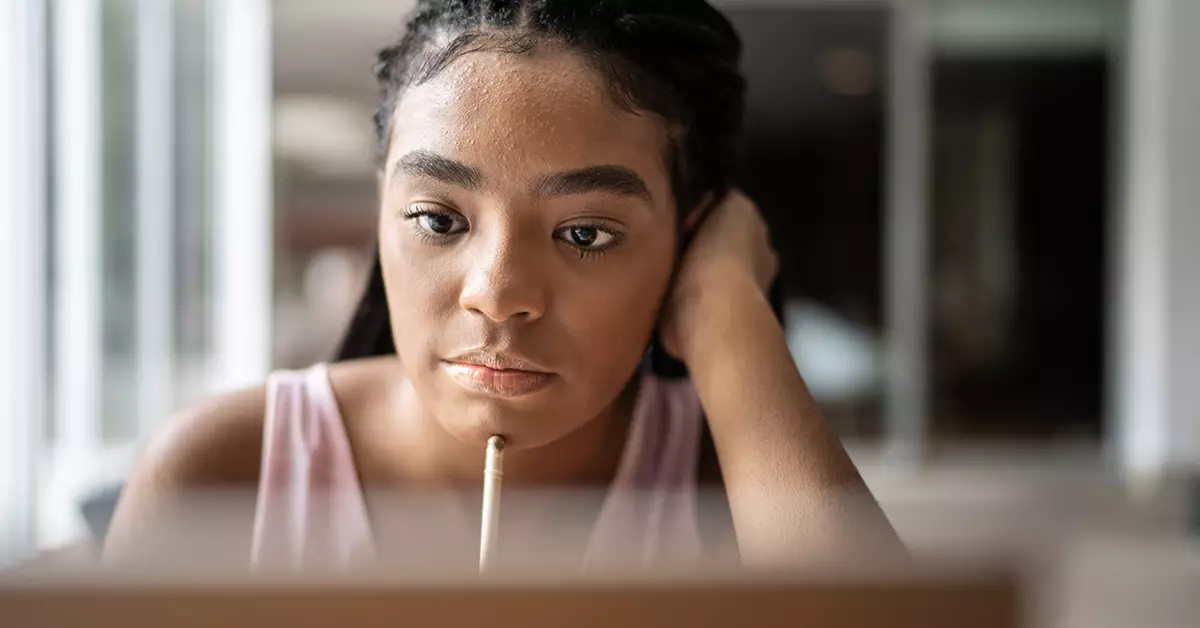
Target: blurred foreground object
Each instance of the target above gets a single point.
(970, 599)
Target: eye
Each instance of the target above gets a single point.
(587, 237)
(437, 222)
(440, 224)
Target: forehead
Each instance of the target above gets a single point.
(519, 116)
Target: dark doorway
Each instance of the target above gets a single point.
(815, 166)
(1018, 246)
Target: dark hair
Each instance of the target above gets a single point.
(675, 58)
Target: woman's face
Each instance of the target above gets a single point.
(527, 237)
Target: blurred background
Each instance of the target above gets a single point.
(986, 212)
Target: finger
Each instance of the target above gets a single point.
(739, 198)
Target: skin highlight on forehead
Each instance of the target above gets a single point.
(527, 115)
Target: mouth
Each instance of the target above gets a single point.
(497, 374)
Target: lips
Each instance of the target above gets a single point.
(497, 374)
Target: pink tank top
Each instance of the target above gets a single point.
(311, 509)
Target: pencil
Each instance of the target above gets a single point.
(493, 473)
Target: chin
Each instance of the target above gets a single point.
(477, 420)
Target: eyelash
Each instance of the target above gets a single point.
(415, 212)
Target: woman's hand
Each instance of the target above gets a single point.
(729, 259)
(793, 492)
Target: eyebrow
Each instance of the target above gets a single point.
(423, 163)
(610, 179)
(617, 180)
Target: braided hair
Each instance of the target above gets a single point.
(674, 58)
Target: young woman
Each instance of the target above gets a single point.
(556, 211)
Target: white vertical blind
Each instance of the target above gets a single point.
(22, 280)
(78, 237)
(906, 231)
(231, 88)
(243, 232)
(1142, 428)
(155, 210)
(1157, 288)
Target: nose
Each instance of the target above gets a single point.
(504, 282)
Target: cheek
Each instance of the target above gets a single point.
(419, 293)
(612, 322)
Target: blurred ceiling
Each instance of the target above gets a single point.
(327, 47)
(324, 51)
(325, 93)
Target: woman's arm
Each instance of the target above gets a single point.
(794, 494)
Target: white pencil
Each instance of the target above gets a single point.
(493, 473)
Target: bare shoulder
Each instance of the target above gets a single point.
(216, 442)
(219, 442)
(211, 450)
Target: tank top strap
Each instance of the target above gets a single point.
(650, 513)
(310, 508)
